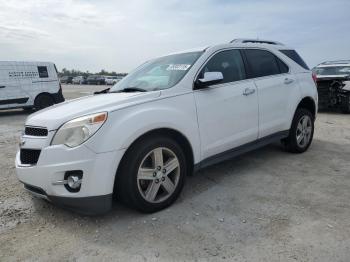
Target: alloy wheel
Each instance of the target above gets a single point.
(158, 175)
(304, 131)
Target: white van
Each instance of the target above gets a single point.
(29, 85)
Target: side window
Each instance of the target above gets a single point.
(43, 72)
(283, 67)
(261, 63)
(229, 63)
(292, 54)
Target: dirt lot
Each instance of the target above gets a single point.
(267, 205)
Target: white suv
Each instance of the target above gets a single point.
(171, 116)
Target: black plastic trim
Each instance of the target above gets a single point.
(44, 81)
(93, 205)
(234, 152)
(14, 101)
(35, 189)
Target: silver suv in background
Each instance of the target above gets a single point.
(339, 68)
(333, 85)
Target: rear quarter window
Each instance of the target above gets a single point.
(292, 54)
(283, 67)
(261, 63)
(43, 72)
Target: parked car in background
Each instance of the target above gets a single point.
(95, 80)
(66, 79)
(332, 69)
(111, 80)
(29, 85)
(79, 80)
(333, 84)
(140, 140)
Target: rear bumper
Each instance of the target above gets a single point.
(93, 205)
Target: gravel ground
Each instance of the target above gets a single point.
(267, 205)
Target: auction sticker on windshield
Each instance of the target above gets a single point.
(181, 67)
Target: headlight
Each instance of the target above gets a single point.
(77, 131)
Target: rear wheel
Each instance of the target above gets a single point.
(152, 174)
(42, 101)
(301, 132)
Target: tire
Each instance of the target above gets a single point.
(28, 109)
(345, 105)
(301, 132)
(346, 110)
(166, 186)
(42, 101)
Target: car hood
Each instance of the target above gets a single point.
(53, 117)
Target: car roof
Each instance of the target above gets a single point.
(239, 43)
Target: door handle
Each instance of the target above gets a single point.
(248, 91)
(288, 81)
(2, 86)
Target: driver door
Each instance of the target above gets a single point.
(227, 112)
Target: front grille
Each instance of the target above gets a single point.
(29, 156)
(35, 131)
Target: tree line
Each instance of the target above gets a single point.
(74, 72)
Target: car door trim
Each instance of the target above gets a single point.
(237, 151)
(14, 101)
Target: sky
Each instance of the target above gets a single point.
(121, 34)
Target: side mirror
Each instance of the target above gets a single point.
(210, 78)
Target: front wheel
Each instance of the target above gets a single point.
(301, 132)
(152, 174)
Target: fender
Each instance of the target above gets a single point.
(128, 124)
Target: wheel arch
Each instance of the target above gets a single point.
(179, 137)
(41, 94)
(309, 104)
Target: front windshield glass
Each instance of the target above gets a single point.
(333, 70)
(160, 73)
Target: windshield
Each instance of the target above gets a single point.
(160, 73)
(332, 70)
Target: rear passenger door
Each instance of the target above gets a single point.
(227, 112)
(275, 85)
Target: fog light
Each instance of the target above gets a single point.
(73, 181)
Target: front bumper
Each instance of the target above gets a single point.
(94, 205)
(99, 170)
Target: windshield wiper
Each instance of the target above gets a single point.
(131, 89)
(104, 91)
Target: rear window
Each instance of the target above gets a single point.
(292, 54)
(261, 63)
(43, 72)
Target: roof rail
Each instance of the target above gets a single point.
(258, 41)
